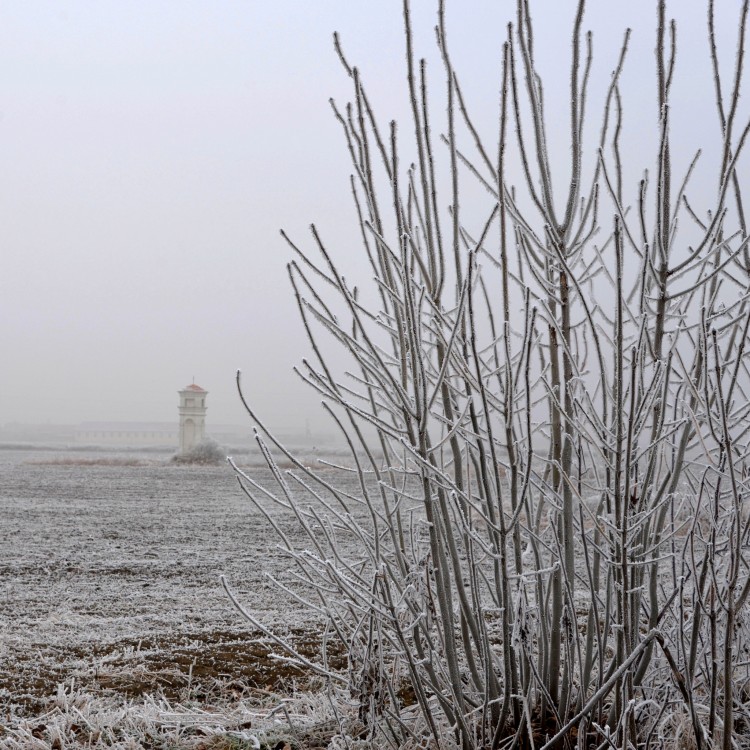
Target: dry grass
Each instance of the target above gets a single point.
(81, 461)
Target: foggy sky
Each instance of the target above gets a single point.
(151, 151)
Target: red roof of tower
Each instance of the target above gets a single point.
(194, 387)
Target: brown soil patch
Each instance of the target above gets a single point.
(196, 666)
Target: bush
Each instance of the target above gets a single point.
(207, 452)
(547, 543)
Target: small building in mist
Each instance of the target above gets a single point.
(192, 410)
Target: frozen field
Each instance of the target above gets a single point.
(109, 578)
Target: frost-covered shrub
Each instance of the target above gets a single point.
(546, 405)
(206, 452)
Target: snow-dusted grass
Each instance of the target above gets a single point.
(79, 718)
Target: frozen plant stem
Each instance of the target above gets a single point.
(546, 503)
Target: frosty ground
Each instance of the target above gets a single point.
(110, 591)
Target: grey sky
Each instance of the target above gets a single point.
(150, 152)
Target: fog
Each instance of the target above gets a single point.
(151, 151)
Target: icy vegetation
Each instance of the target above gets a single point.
(546, 400)
(207, 452)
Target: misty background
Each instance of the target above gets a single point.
(151, 151)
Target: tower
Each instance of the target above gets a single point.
(192, 416)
